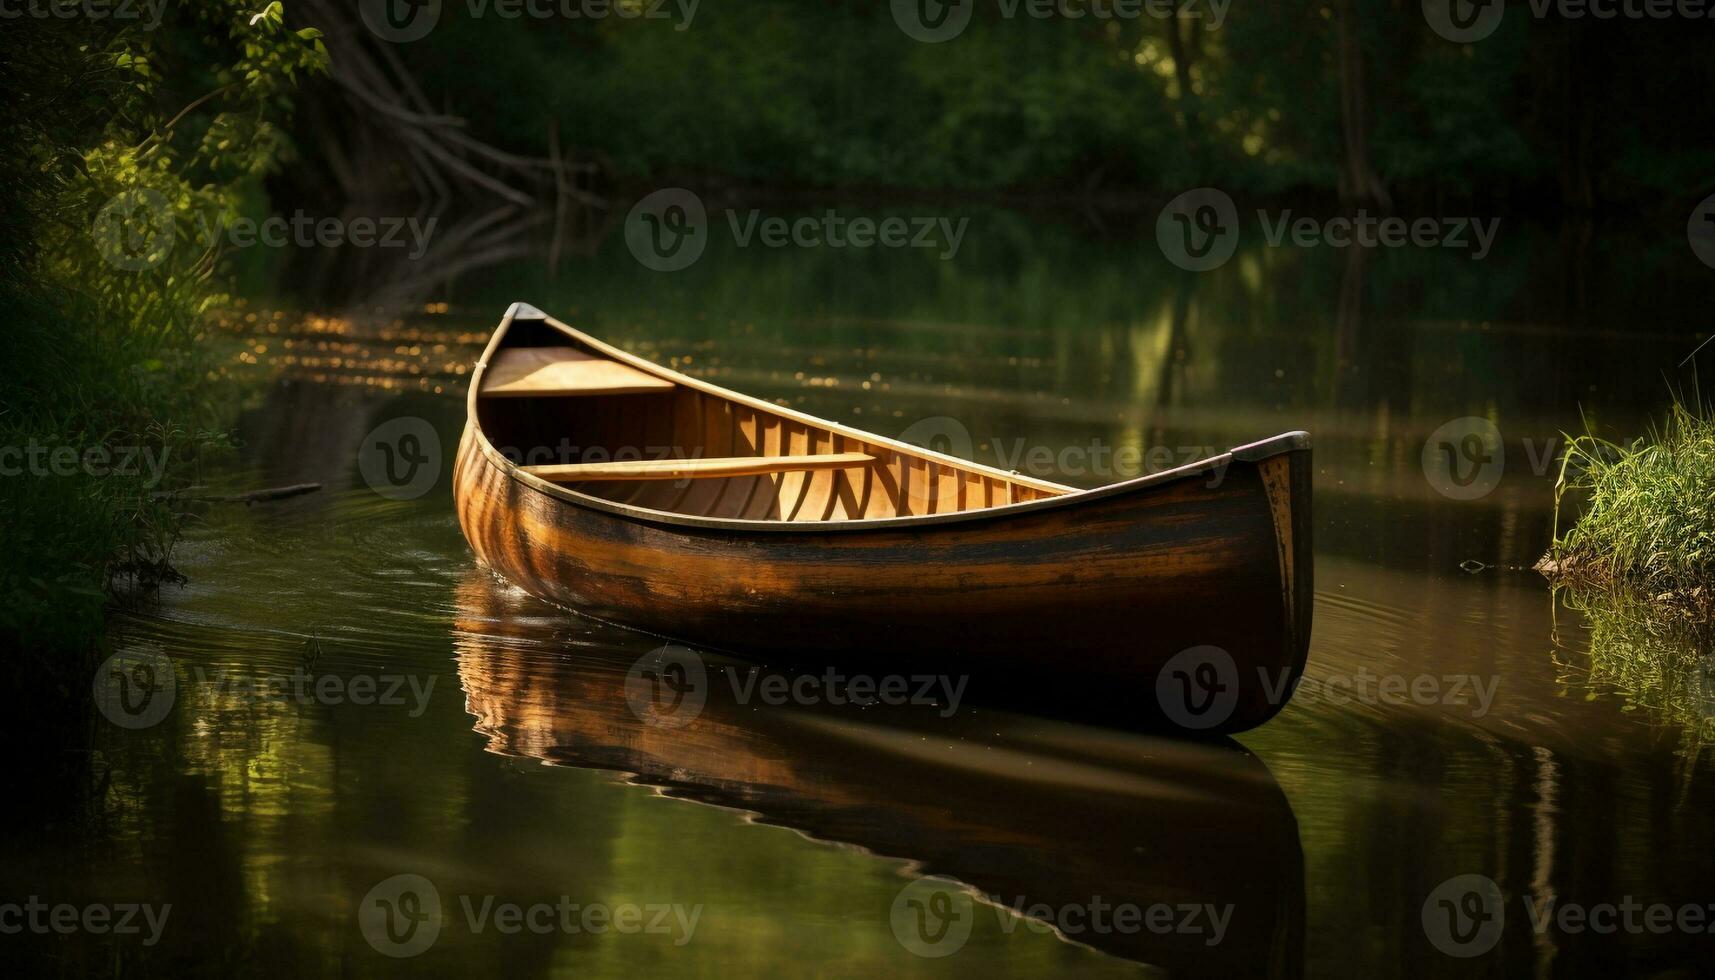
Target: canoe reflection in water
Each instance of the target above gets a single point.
(1195, 840)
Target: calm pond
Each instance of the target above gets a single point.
(1455, 718)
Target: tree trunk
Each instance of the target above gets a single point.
(1182, 42)
(1358, 180)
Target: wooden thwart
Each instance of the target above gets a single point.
(538, 372)
(690, 469)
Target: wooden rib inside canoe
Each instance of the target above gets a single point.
(682, 469)
(703, 451)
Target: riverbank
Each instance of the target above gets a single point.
(1648, 523)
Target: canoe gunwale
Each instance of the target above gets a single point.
(1256, 452)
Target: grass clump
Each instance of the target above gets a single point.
(1648, 521)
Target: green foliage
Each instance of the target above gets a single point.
(1649, 521)
(781, 93)
(124, 145)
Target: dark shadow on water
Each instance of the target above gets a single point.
(1024, 812)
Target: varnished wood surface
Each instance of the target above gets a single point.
(685, 469)
(1070, 599)
(686, 422)
(536, 372)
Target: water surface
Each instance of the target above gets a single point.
(521, 775)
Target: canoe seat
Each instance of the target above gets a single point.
(538, 372)
(687, 469)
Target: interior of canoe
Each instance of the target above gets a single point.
(574, 416)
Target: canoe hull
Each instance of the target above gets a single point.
(1083, 609)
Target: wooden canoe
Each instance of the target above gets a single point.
(765, 531)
